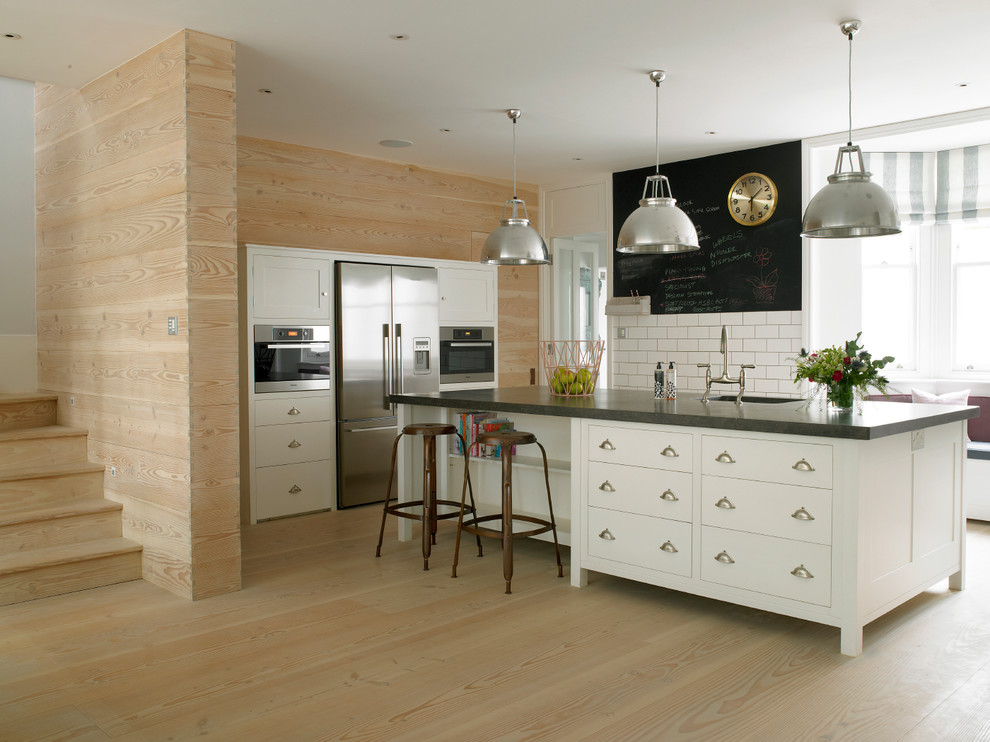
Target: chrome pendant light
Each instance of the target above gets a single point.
(850, 205)
(514, 241)
(657, 226)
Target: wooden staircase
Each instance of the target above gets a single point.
(57, 532)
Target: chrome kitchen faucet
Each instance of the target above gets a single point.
(725, 378)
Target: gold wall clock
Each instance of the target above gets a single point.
(752, 199)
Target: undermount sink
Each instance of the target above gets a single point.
(754, 400)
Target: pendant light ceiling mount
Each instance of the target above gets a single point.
(514, 241)
(657, 226)
(851, 205)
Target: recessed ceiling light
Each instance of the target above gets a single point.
(396, 143)
(710, 132)
(266, 91)
(12, 36)
(577, 159)
(399, 36)
(445, 131)
(962, 84)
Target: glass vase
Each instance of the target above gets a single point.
(840, 396)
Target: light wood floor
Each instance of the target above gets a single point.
(327, 643)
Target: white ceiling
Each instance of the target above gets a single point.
(754, 73)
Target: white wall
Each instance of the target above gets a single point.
(18, 333)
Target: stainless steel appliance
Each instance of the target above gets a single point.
(291, 359)
(387, 322)
(467, 354)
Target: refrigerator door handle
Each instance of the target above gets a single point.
(398, 359)
(386, 377)
(371, 430)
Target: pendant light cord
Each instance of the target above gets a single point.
(515, 120)
(658, 126)
(850, 85)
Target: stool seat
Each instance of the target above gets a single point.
(507, 437)
(507, 440)
(429, 502)
(429, 429)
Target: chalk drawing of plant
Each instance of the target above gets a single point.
(764, 286)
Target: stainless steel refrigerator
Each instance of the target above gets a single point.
(387, 342)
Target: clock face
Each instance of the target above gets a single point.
(752, 199)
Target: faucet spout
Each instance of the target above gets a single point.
(725, 378)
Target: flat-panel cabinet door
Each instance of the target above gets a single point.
(291, 288)
(467, 296)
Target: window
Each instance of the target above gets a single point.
(890, 303)
(969, 264)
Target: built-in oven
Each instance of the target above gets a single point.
(467, 355)
(291, 359)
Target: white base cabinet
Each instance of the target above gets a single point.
(835, 531)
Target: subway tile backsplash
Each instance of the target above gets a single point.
(771, 340)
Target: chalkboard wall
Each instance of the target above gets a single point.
(738, 268)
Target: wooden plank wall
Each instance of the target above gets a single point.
(298, 196)
(135, 223)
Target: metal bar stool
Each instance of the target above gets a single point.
(506, 439)
(429, 516)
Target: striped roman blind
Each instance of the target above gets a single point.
(930, 187)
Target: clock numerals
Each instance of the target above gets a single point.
(752, 199)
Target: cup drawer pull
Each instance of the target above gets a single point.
(668, 547)
(294, 411)
(606, 535)
(802, 572)
(669, 452)
(724, 557)
(606, 486)
(725, 458)
(725, 504)
(294, 444)
(802, 514)
(803, 465)
(606, 445)
(669, 496)
(295, 489)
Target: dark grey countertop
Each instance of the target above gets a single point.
(868, 421)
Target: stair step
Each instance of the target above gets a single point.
(41, 573)
(26, 447)
(22, 488)
(27, 410)
(67, 522)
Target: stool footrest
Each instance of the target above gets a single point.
(472, 526)
(398, 509)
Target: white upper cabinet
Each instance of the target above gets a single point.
(291, 288)
(467, 295)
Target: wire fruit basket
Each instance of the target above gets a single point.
(571, 366)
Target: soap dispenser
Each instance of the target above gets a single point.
(671, 382)
(658, 383)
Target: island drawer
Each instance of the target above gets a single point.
(786, 510)
(654, 543)
(291, 444)
(774, 566)
(292, 489)
(635, 489)
(808, 464)
(295, 410)
(638, 447)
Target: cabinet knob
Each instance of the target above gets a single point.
(295, 489)
(724, 557)
(295, 444)
(802, 514)
(294, 411)
(323, 293)
(606, 486)
(803, 465)
(669, 496)
(802, 572)
(606, 445)
(669, 452)
(724, 458)
(668, 547)
(725, 504)
(606, 535)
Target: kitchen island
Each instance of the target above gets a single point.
(832, 517)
